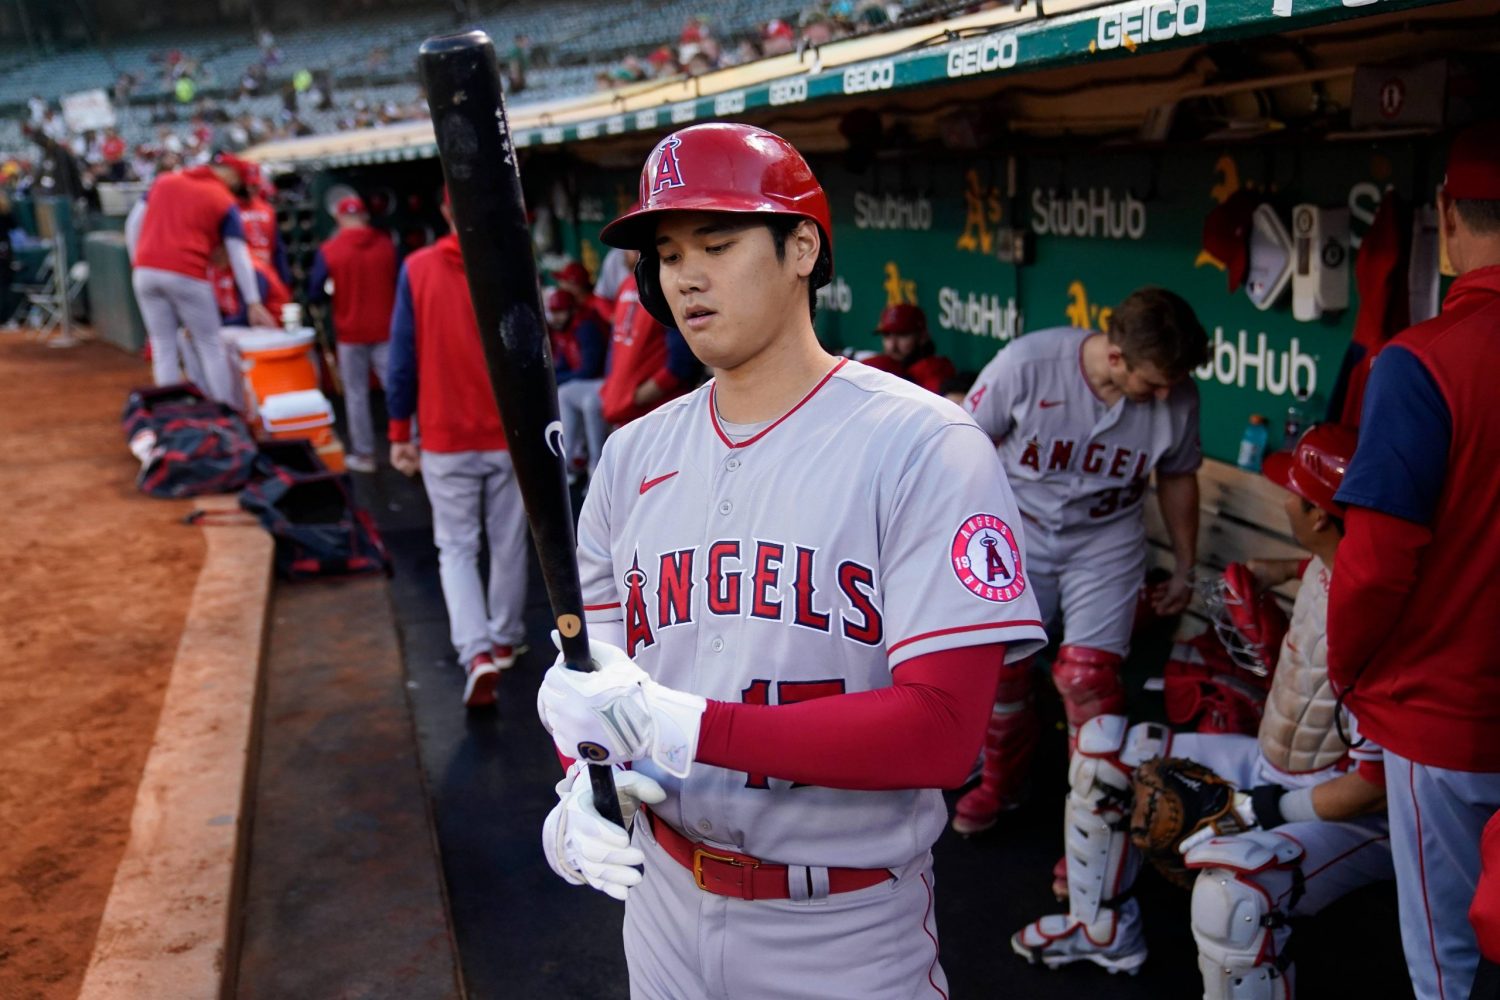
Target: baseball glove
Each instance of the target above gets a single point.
(1174, 799)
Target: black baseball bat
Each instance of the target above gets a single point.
(489, 215)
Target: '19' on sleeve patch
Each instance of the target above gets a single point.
(987, 559)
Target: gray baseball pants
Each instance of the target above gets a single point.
(467, 490)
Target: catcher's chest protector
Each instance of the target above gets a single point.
(1297, 732)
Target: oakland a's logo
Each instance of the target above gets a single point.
(987, 559)
(667, 173)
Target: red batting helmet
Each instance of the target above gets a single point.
(719, 167)
(1314, 468)
(902, 318)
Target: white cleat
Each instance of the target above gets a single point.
(1058, 940)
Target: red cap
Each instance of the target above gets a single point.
(777, 28)
(1474, 163)
(886, 363)
(351, 205)
(574, 274)
(1226, 235)
(723, 167)
(902, 318)
(1314, 468)
(249, 172)
(559, 300)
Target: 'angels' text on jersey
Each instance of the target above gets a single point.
(772, 581)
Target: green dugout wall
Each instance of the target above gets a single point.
(1100, 225)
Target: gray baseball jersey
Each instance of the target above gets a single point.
(870, 524)
(1072, 460)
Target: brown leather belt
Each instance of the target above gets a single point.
(726, 873)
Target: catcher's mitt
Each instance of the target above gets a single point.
(1174, 799)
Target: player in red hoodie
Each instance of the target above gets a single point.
(358, 267)
(438, 375)
(170, 235)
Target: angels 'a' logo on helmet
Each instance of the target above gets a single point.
(667, 172)
(987, 559)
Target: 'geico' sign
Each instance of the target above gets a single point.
(983, 56)
(788, 91)
(875, 76)
(1155, 21)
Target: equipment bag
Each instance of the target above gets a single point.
(319, 530)
(187, 444)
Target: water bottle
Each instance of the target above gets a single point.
(1293, 427)
(1253, 444)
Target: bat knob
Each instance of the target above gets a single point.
(463, 41)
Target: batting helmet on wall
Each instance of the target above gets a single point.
(719, 167)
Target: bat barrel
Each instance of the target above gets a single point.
(488, 209)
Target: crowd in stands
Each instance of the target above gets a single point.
(178, 100)
(700, 50)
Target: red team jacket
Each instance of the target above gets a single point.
(434, 332)
(637, 352)
(362, 264)
(185, 213)
(1425, 671)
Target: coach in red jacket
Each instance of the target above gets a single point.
(1415, 598)
(438, 374)
(359, 265)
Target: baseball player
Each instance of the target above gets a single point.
(257, 215)
(1081, 420)
(438, 374)
(1411, 624)
(1316, 818)
(232, 311)
(358, 265)
(801, 581)
(907, 349)
(170, 234)
(578, 350)
(649, 361)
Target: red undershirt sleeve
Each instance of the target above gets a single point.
(922, 732)
(1374, 572)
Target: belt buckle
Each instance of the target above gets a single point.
(701, 854)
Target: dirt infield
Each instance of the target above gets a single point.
(95, 581)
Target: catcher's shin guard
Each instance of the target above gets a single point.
(1245, 884)
(1102, 924)
(1089, 682)
(1009, 744)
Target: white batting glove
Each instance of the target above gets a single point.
(1239, 818)
(584, 848)
(618, 713)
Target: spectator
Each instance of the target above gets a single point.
(1414, 602)
(359, 262)
(438, 374)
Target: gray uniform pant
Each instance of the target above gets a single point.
(356, 362)
(168, 301)
(582, 413)
(1437, 816)
(1092, 577)
(878, 943)
(468, 489)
